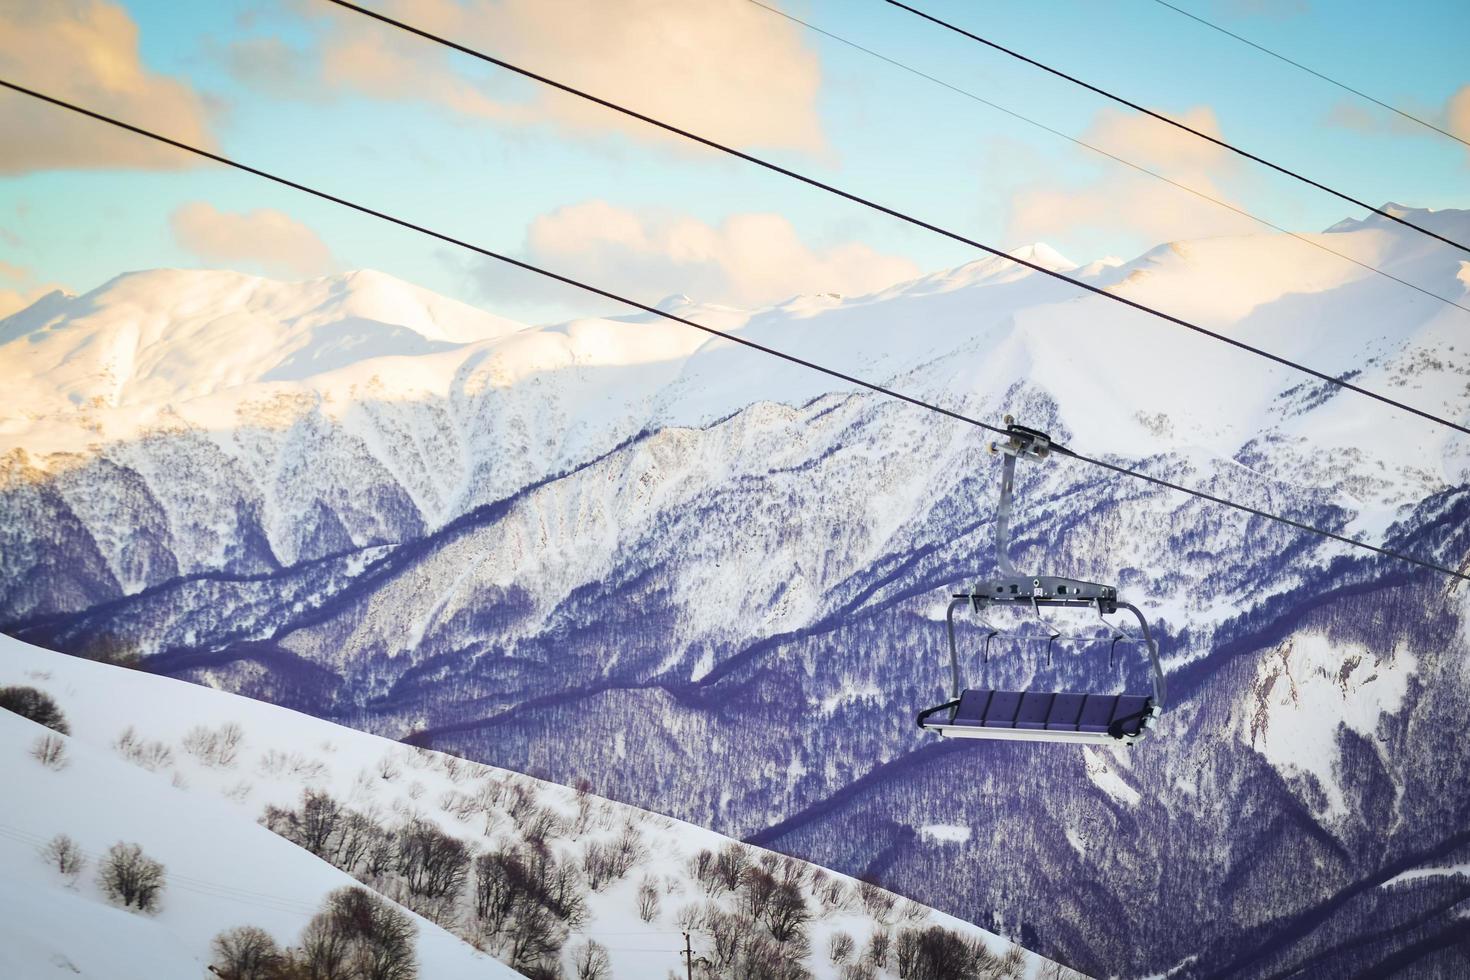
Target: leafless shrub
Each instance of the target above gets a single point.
(129, 876)
(312, 826)
(218, 748)
(877, 902)
(585, 806)
(65, 856)
(597, 864)
(539, 823)
(591, 962)
(276, 763)
(859, 970)
(880, 943)
(247, 953)
(151, 755)
(840, 946)
(388, 768)
(726, 931)
(50, 751)
(912, 912)
(837, 895)
(648, 900)
(35, 704)
(690, 918)
(1013, 964)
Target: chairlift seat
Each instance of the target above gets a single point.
(1045, 716)
(1048, 716)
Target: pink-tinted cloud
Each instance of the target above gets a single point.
(723, 68)
(87, 51)
(747, 260)
(1124, 199)
(1457, 113)
(265, 239)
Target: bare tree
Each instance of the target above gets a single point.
(840, 946)
(129, 876)
(35, 704)
(432, 863)
(65, 856)
(756, 888)
(734, 858)
(879, 945)
(600, 865)
(246, 953)
(591, 962)
(534, 935)
(767, 960)
(787, 913)
(648, 900)
(50, 751)
(360, 936)
(937, 953)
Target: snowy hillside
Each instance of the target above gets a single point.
(727, 575)
(198, 808)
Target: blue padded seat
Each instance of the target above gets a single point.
(972, 708)
(1065, 710)
(1113, 714)
(1002, 710)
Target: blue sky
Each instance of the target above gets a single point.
(519, 172)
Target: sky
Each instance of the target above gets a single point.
(338, 101)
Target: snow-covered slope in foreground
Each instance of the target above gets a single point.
(223, 869)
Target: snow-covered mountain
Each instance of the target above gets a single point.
(202, 809)
(724, 574)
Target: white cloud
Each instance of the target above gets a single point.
(87, 51)
(747, 260)
(722, 68)
(267, 239)
(1124, 200)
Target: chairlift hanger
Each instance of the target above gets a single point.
(1091, 717)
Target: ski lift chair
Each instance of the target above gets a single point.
(1088, 717)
